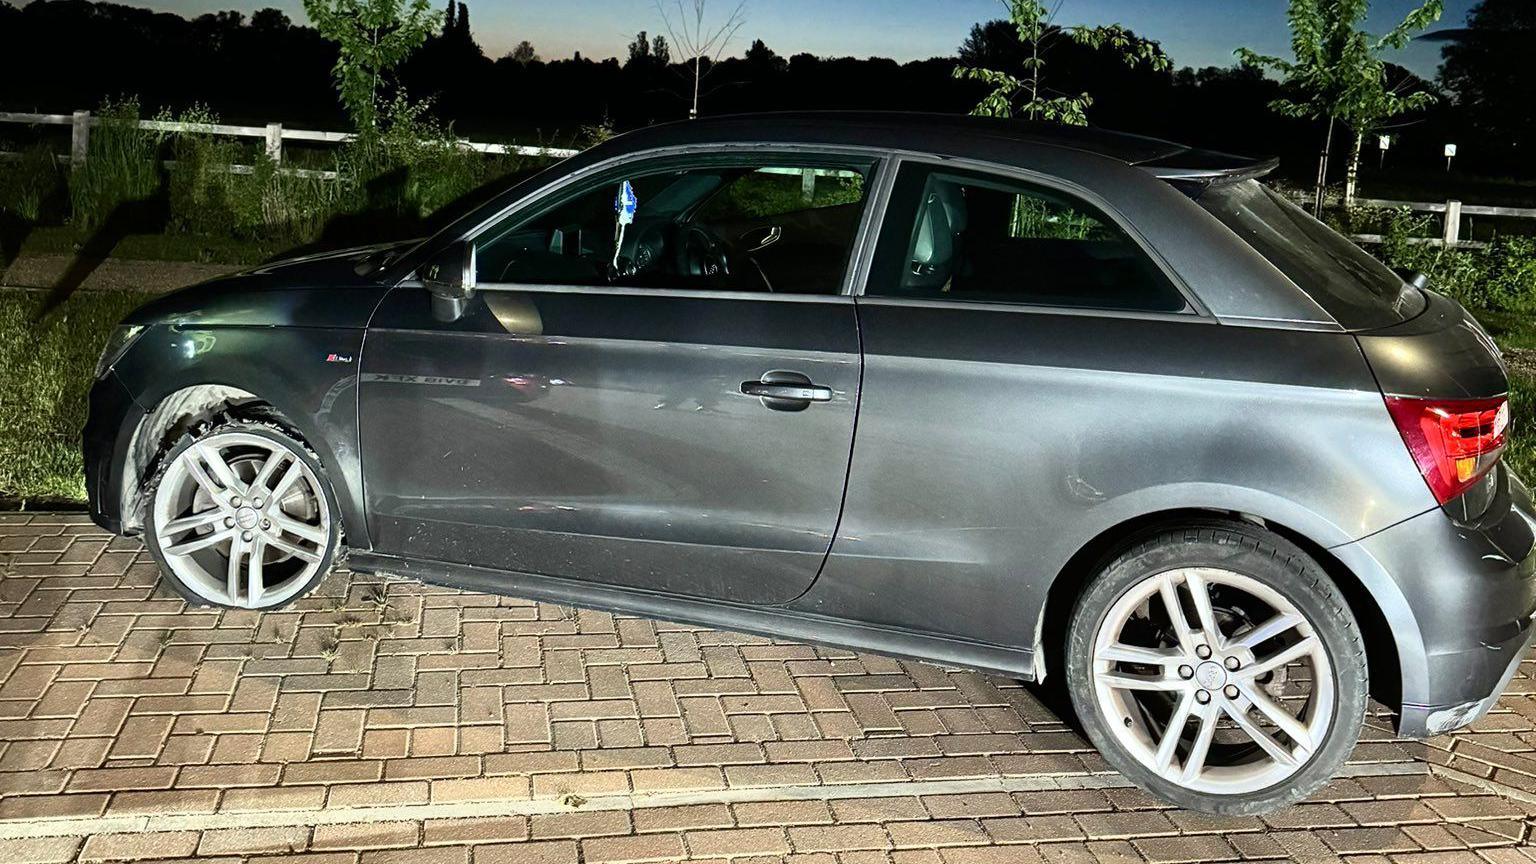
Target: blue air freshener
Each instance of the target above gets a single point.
(624, 204)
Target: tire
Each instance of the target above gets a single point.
(1257, 583)
(189, 500)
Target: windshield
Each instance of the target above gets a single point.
(1360, 292)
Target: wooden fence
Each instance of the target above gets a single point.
(274, 134)
(1452, 211)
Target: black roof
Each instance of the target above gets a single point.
(942, 133)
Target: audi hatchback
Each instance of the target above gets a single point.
(1028, 399)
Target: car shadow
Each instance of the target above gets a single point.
(385, 217)
(148, 215)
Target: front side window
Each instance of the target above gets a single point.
(768, 223)
(971, 236)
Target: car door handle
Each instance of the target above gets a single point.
(759, 239)
(786, 391)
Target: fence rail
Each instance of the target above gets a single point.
(274, 134)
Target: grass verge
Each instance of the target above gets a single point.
(67, 240)
(45, 376)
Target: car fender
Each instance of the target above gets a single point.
(1110, 520)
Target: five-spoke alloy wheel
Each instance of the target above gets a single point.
(241, 517)
(1219, 667)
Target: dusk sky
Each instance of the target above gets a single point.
(1194, 32)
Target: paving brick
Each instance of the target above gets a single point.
(547, 852)
(683, 818)
(251, 841)
(132, 847)
(1183, 850)
(644, 847)
(838, 838)
(737, 842)
(43, 850)
(372, 835)
(491, 829)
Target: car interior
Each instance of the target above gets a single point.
(976, 240)
(751, 228)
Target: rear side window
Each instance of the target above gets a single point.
(1360, 292)
(968, 236)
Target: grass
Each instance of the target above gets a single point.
(67, 240)
(45, 375)
(1516, 334)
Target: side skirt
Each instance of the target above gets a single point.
(769, 621)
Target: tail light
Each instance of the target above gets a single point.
(1453, 441)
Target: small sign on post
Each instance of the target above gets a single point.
(1383, 144)
(1450, 153)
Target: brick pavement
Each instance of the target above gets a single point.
(383, 720)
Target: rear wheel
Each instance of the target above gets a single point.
(241, 517)
(1219, 668)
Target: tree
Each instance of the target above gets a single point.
(373, 37)
(701, 43)
(1489, 70)
(763, 60)
(1033, 32)
(1338, 75)
(660, 52)
(270, 21)
(639, 49)
(524, 54)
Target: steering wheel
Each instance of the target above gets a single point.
(700, 253)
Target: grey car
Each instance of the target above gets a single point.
(1039, 401)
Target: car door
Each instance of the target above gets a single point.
(626, 399)
(1014, 337)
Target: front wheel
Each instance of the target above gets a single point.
(241, 516)
(1219, 668)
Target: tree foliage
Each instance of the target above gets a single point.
(524, 53)
(1026, 93)
(1488, 69)
(1338, 71)
(1338, 74)
(372, 37)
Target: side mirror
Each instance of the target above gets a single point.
(1415, 278)
(450, 277)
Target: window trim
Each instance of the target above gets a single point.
(860, 248)
(1195, 310)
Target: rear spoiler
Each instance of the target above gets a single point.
(1207, 167)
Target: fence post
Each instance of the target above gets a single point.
(808, 184)
(1452, 222)
(79, 138)
(275, 142)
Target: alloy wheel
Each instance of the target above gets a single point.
(241, 520)
(1213, 680)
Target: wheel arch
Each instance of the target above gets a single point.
(1394, 648)
(177, 412)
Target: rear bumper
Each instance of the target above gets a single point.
(105, 441)
(1460, 600)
